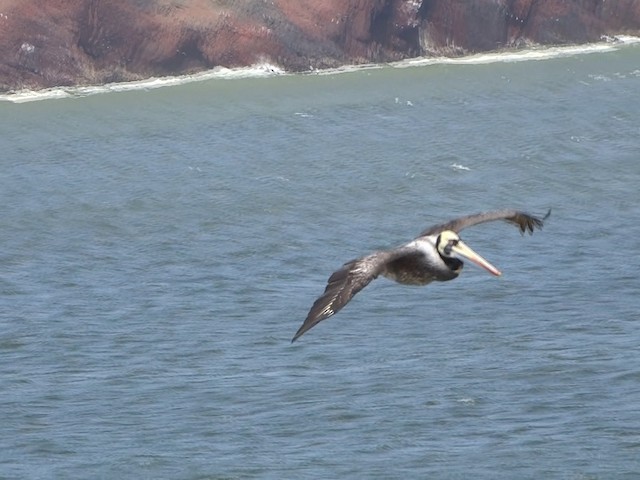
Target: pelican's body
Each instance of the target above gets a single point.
(421, 264)
(433, 256)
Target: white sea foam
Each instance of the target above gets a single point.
(608, 44)
(534, 52)
(267, 70)
(258, 70)
(457, 166)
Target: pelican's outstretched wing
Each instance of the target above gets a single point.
(344, 283)
(522, 220)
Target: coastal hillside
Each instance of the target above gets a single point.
(79, 42)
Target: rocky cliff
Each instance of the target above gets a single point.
(73, 42)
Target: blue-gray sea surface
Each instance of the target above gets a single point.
(158, 250)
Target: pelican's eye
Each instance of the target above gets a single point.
(450, 244)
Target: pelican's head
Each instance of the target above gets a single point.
(449, 245)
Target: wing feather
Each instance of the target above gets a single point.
(524, 221)
(343, 284)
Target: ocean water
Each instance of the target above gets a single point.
(159, 248)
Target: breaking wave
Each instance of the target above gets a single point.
(254, 71)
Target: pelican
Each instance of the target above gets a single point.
(435, 254)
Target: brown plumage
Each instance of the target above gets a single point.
(430, 256)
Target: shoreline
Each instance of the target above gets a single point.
(264, 70)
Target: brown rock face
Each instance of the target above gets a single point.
(71, 42)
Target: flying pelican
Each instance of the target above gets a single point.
(433, 255)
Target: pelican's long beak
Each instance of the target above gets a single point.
(464, 251)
